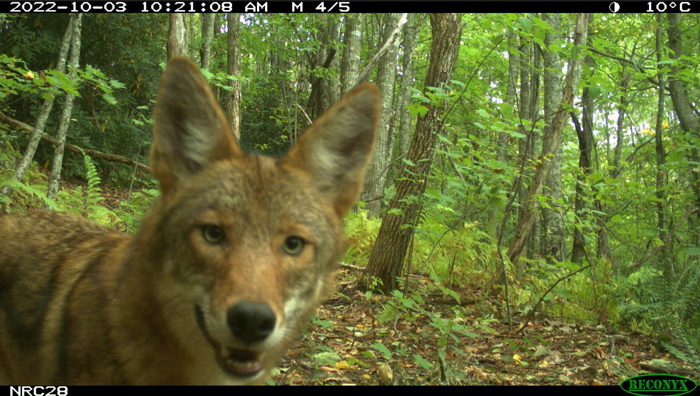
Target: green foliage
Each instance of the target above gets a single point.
(668, 307)
(86, 201)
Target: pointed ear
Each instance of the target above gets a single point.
(338, 146)
(190, 129)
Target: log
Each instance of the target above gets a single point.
(70, 147)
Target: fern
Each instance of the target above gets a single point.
(28, 190)
(91, 207)
(94, 192)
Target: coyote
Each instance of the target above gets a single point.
(234, 258)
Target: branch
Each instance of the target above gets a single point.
(382, 50)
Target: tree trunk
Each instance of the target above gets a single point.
(233, 100)
(524, 226)
(585, 144)
(409, 42)
(553, 223)
(382, 50)
(690, 122)
(43, 115)
(331, 91)
(67, 110)
(603, 248)
(319, 96)
(386, 259)
(524, 109)
(386, 74)
(504, 138)
(177, 36)
(207, 36)
(661, 162)
(350, 65)
(534, 244)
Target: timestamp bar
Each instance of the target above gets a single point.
(470, 6)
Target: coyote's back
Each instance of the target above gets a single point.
(236, 255)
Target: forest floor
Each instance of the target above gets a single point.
(429, 339)
(359, 341)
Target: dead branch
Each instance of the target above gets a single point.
(92, 153)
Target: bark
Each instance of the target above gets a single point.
(621, 114)
(42, 117)
(585, 143)
(524, 112)
(319, 97)
(603, 246)
(524, 226)
(67, 110)
(350, 65)
(534, 147)
(690, 121)
(513, 64)
(177, 36)
(661, 162)
(386, 74)
(553, 223)
(504, 138)
(207, 36)
(333, 93)
(233, 96)
(70, 147)
(387, 257)
(382, 50)
(409, 42)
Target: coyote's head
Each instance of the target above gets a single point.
(247, 245)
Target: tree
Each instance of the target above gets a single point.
(67, 110)
(585, 143)
(177, 35)
(350, 65)
(689, 119)
(522, 229)
(207, 36)
(386, 259)
(233, 99)
(43, 115)
(410, 31)
(386, 73)
(552, 219)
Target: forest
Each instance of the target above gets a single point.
(531, 214)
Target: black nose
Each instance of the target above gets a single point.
(251, 321)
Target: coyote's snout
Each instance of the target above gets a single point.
(235, 256)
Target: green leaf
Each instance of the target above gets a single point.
(593, 92)
(109, 99)
(408, 162)
(396, 211)
(507, 110)
(418, 110)
(483, 113)
(422, 362)
(382, 349)
(525, 23)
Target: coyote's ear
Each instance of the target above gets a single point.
(190, 129)
(338, 146)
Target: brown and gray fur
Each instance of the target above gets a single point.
(83, 304)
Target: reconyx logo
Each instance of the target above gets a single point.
(658, 384)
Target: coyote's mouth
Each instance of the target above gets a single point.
(234, 361)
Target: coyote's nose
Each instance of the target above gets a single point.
(251, 321)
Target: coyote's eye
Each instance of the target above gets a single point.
(213, 234)
(293, 245)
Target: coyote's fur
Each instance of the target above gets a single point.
(235, 257)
